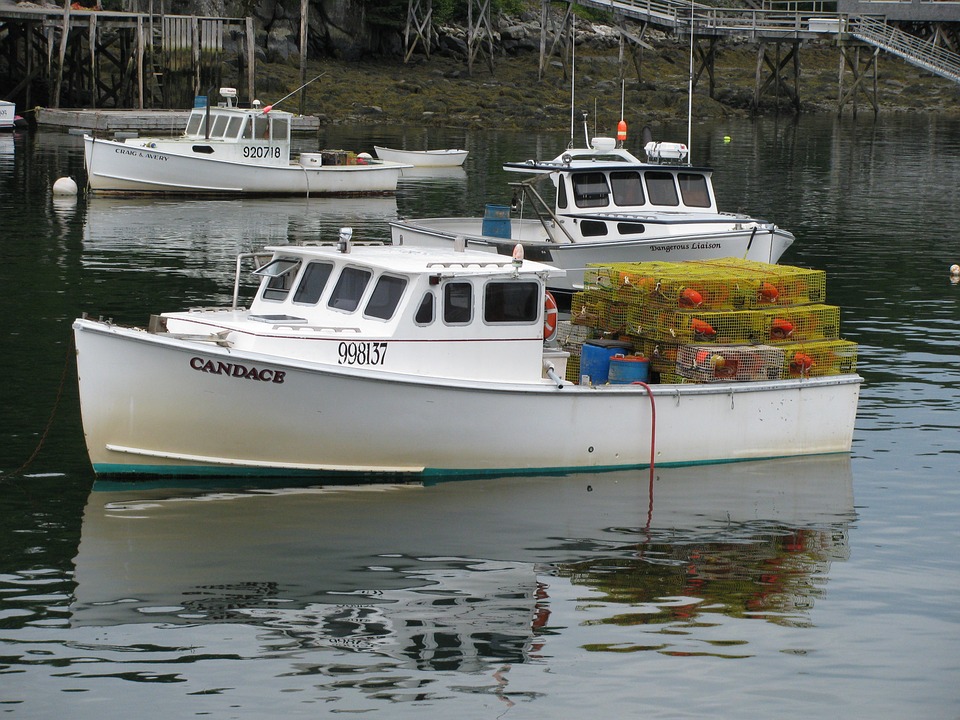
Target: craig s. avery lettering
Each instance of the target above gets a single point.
(140, 153)
(236, 370)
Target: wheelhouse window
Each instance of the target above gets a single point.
(280, 129)
(593, 228)
(511, 303)
(280, 274)
(628, 228)
(661, 188)
(693, 189)
(349, 289)
(627, 188)
(219, 126)
(426, 310)
(233, 129)
(457, 303)
(312, 283)
(385, 297)
(261, 126)
(562, 193)
(590, 190)
(195, 123)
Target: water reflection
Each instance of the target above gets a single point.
(457, 574)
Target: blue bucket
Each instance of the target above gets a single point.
(626, 369)
(496, 221)
(595, 359)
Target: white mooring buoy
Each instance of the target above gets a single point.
(65, 186)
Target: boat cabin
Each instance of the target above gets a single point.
(397, 309)
(227, 122)
(605, 182)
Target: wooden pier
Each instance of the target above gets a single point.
(102, 59)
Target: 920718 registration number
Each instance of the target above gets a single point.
(256, 153)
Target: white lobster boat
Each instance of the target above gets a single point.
(407, 361)
(602, 204)
(229, 150)
(423, 158)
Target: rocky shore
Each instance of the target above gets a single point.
(440, 91)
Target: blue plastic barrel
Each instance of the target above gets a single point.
(626, 369)
(496, 221)
(595, 358)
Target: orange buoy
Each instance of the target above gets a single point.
(780, 329)
(690, 298)
(768, 293)
(550, 316)
(801, 364)
(702, 329)
(621, 131)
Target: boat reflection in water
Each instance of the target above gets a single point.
(152, 224)
(456, 574)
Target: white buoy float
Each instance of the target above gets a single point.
(65, 186)
(955, 270)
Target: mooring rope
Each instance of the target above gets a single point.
(53, 414)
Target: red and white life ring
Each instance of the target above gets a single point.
(550, 316)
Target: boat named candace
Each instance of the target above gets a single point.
(370, 360)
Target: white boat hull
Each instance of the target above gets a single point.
(672, 243)
(8, 114)
(423, 158)
(149, 408)
(122, 168)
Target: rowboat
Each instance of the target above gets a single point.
(229, 150)
(372, 360)
(602, 204)
(423, 158)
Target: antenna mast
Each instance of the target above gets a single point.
(690, 94)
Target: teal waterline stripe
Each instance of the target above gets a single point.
(141, 475)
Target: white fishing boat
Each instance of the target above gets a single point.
(423, 158)
(229, 150)
(8, 115)
(408, 361)
(602, 204)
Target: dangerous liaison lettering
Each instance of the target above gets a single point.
(686, 246)
(236, 370)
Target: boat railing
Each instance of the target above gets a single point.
(541, 208)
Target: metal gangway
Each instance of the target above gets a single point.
(769, 24)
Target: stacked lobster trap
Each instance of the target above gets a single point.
(713, 320)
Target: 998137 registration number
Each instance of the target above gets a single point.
(362, 353)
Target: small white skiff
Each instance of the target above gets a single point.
(371, 360)
(423, 158)
(602, 204)
(228, 150)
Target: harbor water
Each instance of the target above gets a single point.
(824, 587)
